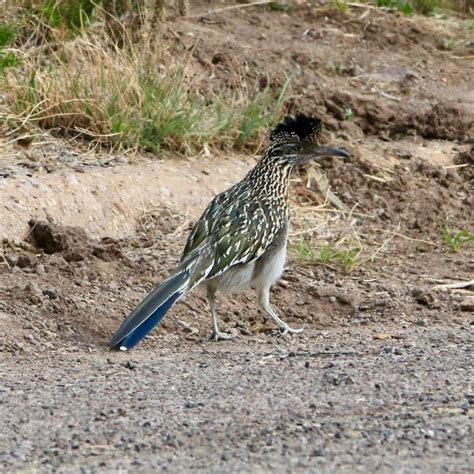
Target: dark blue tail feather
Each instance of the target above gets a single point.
(150, 311)
(141, 331)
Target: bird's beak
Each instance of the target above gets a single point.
(315, 153)
(324, 151)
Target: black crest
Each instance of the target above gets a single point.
(300, 127)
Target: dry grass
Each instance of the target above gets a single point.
(134, 96)
(427, 7)
(325, 232)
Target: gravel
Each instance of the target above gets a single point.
(328, 401)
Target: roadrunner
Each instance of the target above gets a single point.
(240, 240)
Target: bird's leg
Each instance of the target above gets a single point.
(216, 334)
(264, 302)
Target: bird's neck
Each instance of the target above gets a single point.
(271, 179)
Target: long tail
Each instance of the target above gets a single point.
(151, 310)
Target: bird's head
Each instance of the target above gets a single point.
(295, 141)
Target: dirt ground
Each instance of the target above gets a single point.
(381, 378)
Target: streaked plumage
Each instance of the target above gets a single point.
(240, 239)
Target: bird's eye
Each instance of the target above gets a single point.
(288, 149)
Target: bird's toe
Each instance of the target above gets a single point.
(221, 336)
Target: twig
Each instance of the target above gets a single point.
(314, 354)
(376, 178)
(462, 57)
(450, 167)
(337, 211)
(362, 5)
(5, 262)
(307, 231)
(429, 242)
(232, 7)
(457, 284)
(388, 96)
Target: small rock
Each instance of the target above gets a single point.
(422, 296)
(400, 153)
(121, 160)
(25, 261)
(421, 322)
(332, 379)
(40, 269)
(51, 294)
(467, 305)
(33, 288)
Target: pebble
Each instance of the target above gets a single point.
(393, 350)
(467, 305)
(40, 270)
(423, 297)
(121, 160)
(51, 294)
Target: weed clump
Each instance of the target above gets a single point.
(7, 58)
(346, 257)
(133, 97)
(424, 7)
(456, 239)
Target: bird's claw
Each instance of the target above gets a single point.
(288, 330)
(221, 336)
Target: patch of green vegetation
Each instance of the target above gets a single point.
(167, 114)
(8, 58)
(261, 110)
(408, 7)
(305, 251)
(7, 34)
(280, 5)
(345, 257)
(400, 5)
(450, 43)
(340, 5)
(426, 7)
(348, 113)
(72, 15)
(456, 239)
(120, 98)
(336, 68)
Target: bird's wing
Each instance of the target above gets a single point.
(210, 218)
(239, 234)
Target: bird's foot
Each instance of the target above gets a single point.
(285, 329)
(221, 336)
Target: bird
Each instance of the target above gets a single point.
(240, 240)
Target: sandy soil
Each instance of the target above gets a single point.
(381, 379)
